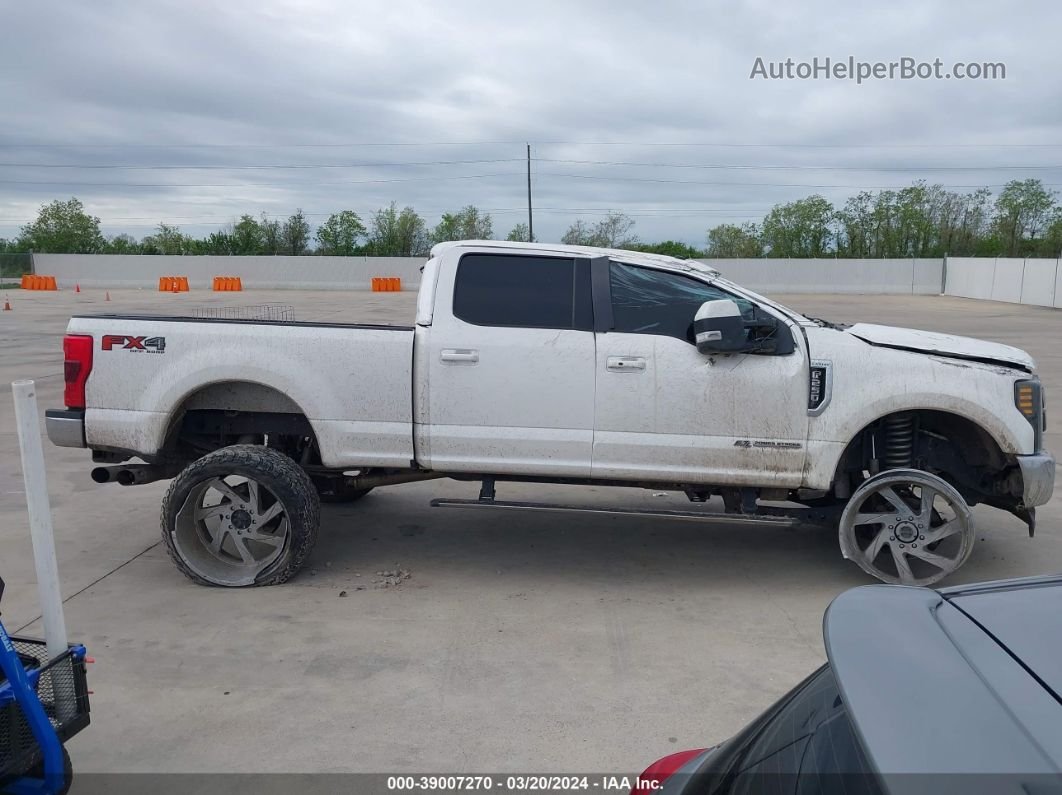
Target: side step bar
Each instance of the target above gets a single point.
(689, 516)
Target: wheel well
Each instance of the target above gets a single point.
(950, 445)
(239, 412)
(976, 445)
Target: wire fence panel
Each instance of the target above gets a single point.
(272, 312)
(14, 265)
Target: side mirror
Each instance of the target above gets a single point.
(718, 327)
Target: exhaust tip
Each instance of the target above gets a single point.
(101, 474)
(125, 477)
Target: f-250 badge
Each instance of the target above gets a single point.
(137, 344)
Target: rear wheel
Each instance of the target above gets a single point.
(908, 527)
(242, 515)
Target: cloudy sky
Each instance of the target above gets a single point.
(194, 112)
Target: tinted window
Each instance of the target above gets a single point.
(807, 747)
(532, 292)
(834, 761)
(647, 301)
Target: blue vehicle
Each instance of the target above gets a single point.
(43, 703)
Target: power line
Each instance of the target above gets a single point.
(521, 142)
(791, 145)
(28, 145)
(176, 167)
(641, 211)
(756, 184)
(250, 184)
(318, 183)
(568, 161)
(148, 222)
(751, 167)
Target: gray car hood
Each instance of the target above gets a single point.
(941, 344)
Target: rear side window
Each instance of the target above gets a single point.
(808, 748)
(522, 291)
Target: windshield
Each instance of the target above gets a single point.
(764, 301)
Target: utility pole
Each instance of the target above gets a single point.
(530, 221)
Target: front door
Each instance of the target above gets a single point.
(511, 367)
(665, 411)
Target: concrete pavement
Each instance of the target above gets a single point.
(520, 643)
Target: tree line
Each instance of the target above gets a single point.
(1024, 220)
(64, 227)
(922, 220)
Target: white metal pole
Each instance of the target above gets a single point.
(40, 516)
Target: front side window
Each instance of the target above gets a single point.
(648, 301)
(522, 291)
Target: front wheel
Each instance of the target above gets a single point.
(242, 515)
(907, 527)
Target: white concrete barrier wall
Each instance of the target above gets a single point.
(291, 273)
(904, 276)
(1038, 282)
(928, 276)
(867, 276)
(1032, 281)
(1006, 281)
(969, 277)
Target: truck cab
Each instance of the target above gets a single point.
(583, 365)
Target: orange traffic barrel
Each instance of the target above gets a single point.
(228, 284)
(173, 284)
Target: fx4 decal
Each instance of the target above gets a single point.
(138, 344)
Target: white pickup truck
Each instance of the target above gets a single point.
(559, 364)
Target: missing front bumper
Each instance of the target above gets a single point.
(1037, 478)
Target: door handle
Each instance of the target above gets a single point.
(463, 355)
(625, 364)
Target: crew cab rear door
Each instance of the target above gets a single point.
(510, 365)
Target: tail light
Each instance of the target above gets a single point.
(654, 776)
(77, 364)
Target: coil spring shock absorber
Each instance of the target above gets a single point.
(899, 432)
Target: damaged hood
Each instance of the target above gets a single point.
(941, 344)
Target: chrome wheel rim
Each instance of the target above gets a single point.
(907, 527)
(231, 529)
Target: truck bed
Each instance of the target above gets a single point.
(352, 381)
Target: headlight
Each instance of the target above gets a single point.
(1029, 399)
